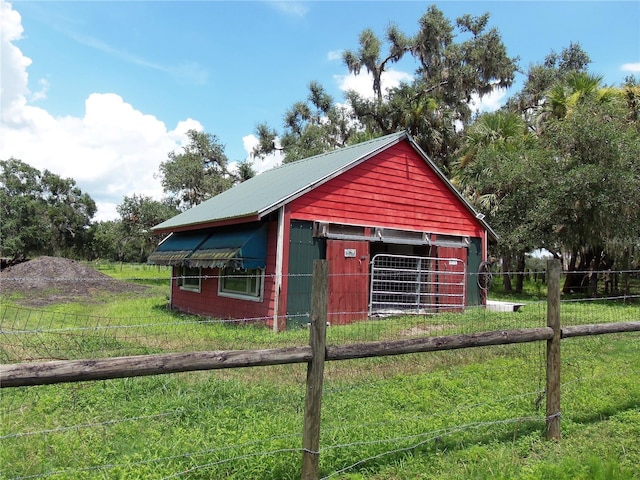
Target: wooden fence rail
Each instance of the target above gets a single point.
(31, 374)
(599, 329)
(63, 371)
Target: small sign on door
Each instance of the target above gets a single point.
(349, 253)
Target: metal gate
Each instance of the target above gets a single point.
(407, 284)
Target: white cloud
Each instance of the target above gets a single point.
(111, 151)
(631, 67)
(290, 7)
(260, 164)
(13, 88)
(106, 211)
(489, 103)
(42, 93)
(334, 55)
(363, 83)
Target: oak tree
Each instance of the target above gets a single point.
(42, 213)
(198, 172)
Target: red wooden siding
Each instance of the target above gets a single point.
(395, 189)
(348, 281)
(208, 303)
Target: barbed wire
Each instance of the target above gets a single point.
(432, 435)
(67, 324)
(424, 436)
(279, 401)
(233, 459)
(173, 457)
(87, 425)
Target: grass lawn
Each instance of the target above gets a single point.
(473, 414)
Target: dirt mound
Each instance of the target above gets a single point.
(47, 280)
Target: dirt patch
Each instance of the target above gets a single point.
(48, 280)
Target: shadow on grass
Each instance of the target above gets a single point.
(605, 413)
(154, 282)
(254, 323)
(457, 439)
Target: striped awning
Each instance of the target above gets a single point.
(175, 248)
(244, 247)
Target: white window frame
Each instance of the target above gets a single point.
(190, 279)
(255, 295)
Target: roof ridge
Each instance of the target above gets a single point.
(336, 150)
(264, 192)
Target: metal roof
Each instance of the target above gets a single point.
(273, 188)
(268, 191)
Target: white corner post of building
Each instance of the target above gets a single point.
(279, 263)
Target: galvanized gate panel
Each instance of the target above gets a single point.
(411, 284)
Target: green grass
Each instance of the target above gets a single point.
(473, 414)
(126, 271)
(439, 415)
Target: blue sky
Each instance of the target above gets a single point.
(102, 91)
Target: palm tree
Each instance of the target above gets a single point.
(490, 145)
(496, 128)
(563, 97)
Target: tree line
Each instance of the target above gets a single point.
(44, 214)
(557, 167)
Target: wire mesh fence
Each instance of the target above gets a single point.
(39, 323)
(247, 423)
(39, 335)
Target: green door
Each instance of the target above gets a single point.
(304, 248)
(474, 258)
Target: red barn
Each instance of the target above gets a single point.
(396, 233)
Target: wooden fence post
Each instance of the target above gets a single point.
(554, 271)
(315, 370)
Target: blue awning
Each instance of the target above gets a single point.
(242, 248)
(175, 249)
(245, 247)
